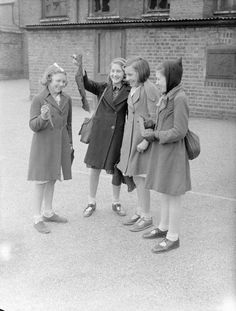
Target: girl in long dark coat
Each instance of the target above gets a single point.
(168, 169)
(107, 133)
(50, 120)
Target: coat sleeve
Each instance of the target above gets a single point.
(36, 122)
(69, 122)
(92, 86)
(180, 128)
(152, 99)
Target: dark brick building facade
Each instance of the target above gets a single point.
(202, 32)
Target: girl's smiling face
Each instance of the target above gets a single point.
(161, 81)
(116, 74)
(58, 82)
(132, 76)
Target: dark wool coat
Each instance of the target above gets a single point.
(108, 125)
(168, 169)
(143, 103)
(51, 145)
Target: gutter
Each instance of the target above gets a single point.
(222, 22)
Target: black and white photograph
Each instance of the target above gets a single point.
(118, 155)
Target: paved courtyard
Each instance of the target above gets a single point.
(96, 264)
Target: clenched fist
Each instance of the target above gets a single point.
(45, 112)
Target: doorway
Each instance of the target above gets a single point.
(109, 44)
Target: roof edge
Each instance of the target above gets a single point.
(134, 23)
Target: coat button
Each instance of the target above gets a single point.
(112, 127)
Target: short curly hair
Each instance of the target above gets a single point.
(49, 72)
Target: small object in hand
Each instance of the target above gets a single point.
(45, 112)
(143, 146)
(77, 59)
(149, 135)
(49, 117)
(149, 124)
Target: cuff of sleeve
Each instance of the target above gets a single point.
(43, 119)
(85, 76)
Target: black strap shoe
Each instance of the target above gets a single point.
(132, 220)
(116, 207)
(89, 209)
(165, 246)
(154, 234)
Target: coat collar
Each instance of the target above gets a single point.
(173, 92)
(49, 99)
(136, 95)
(123, 94)
(169, 96)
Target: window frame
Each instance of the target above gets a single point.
(220, 11)
(155, 12)
(223, 51)
(53, 17)
(103, 15)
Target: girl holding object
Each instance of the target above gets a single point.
(107, 132)
(168, 167)
(51, 148)
(135, 150)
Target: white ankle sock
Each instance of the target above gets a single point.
(48, 213)
(91, 200)
(115, 202)
(172, 236)
(163, 227)
(37, 218)
(146, 215)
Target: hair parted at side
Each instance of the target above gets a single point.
(141, 66)
(121, 62)
(50, 71)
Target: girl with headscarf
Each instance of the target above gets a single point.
(168, 170)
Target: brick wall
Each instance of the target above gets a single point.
(47, 47)
(11, 62)
(131, 9)
(207, 99)
(30, 12)
(186, 9)
(82, 11)
(208, 8)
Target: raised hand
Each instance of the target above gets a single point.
(45, 112)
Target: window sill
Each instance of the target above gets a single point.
(164, 14)
(54, 19)
(102, 17)
(226, 13)
(2, 2)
